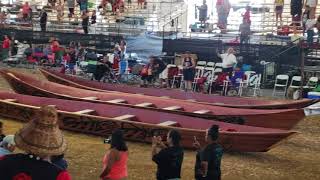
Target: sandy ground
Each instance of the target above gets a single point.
(295, 159)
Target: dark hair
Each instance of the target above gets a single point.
(1, 124)
(175, 137)
(213, 132)
(117, 141)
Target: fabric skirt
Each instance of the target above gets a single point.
(188, 74)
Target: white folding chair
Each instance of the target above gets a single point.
(281, 83)
(213, 78)
(201, 63)
(210, 64)
(177, 78)
(218, 65)
(244, 84)
(256, 85)
(198, 75)
(312, 83)
(295, 82)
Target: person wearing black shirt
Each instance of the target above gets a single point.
(85, 22)
(43, 20)
(208, 159)
(1, 133)
(168, 158)
(94, 17)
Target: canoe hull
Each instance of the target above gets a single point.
(60, 78)
(284, 119)
(143, 132)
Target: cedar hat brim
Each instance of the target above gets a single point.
(42, 135)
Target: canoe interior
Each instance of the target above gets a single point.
(232, 137)
(281, 119)
(235, 102)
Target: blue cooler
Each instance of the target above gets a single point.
(314, 95)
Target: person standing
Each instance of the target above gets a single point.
(223, 8)
(296, 11)
(71, 4)
(39, 139)
(229, 60)
(188, 65)
(168, 158)
(312, 5)
(60, 12)
(310, 24)
(208, 159)
(116, 158)
(85, 21)
(26, 11)
(203, 13)
(6, 47)
(305, 17)
(279, 9)
(244, 31)
(43, 20)
(94, 17)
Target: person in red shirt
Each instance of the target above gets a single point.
(5, 47)
(25, 10)
(246, 15)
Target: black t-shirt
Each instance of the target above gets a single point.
(169, 161)
(85, 21)
(43, 18)
(211, 154)
(22, 165)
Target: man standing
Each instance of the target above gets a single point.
(229, 60)
(203, 13)
(244, 31)
(208, 159)
(296, 11)
(43, 20)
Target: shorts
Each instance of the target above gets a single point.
(279, 9)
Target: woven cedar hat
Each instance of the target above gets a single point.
(42, 135)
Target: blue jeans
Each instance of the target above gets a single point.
(310, 34)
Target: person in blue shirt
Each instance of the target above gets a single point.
(7, 145)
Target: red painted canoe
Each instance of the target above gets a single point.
(234, 102)
(140, 124)
(280, 119)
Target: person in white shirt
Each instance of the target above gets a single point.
(310, 24)
(313, 5)
(229, 60)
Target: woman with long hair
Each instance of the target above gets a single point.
(188, 65)
(115, 160)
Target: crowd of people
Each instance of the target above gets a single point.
(44, 146)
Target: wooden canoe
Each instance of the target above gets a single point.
(280, 119)
(234, 102)
(140, 124)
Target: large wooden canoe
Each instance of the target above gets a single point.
(139, 124)
(234, 102)
(280, 119)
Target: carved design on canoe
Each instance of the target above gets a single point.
(21, 114)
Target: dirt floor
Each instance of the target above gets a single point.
(295, 159)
